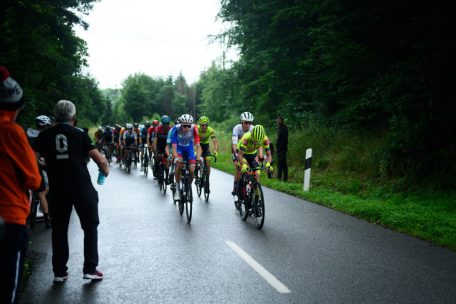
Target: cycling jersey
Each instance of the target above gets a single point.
(189, 138)
(238, 133)
(249, 146)
(129, 138)
(150, 133)
(107, 136)
(98, 136)
(185, 142)
(116, 134)
(143, 134)
(204, 137)
(161, 133)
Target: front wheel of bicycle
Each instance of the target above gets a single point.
(206, 188)
(188, 201)
(258, 207)
(199, 181)
(244, 209)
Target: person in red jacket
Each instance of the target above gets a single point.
(18, 173)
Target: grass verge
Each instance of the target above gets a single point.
(425, 214)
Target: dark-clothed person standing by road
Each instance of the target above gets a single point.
(18, 173)
(281, 149)
(66, 149)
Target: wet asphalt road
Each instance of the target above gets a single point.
(150, 254)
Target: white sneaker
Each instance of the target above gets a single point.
(61, 278)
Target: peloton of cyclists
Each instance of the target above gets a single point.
(184, 138)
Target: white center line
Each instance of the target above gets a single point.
(272, 280)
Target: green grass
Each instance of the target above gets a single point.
(356, 186)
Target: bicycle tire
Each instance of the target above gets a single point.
(244, 210)
(258, 207)
(165, 179)
(205, 184)
(188, 200)
(198, 182)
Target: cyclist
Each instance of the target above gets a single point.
(108, 139)
(42, 122)
(160, 137)
(238, 131)
(143, 140)
(116, 139)
(169, 151)
(184, 137)
(150, 138)
(137, 131)
(205, 133)
(99, 138)
(130, 140)
(248, 146)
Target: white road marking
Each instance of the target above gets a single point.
(271, 279)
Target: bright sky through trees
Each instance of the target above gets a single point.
(159, 38)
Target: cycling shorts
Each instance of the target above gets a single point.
(187, 153)
(206, 151)
(251, 160)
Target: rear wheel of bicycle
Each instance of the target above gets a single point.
(188, 201)
(206, 187)
(258, 207)
(162, 181)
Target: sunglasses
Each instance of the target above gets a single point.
(204, 125)
(186, 126)
(247, 122)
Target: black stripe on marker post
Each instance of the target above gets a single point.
(308, 163)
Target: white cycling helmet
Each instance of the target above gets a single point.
(247, 116)
(43, 121)
(129, 126)
(186, 118)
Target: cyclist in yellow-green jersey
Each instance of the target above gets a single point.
(206, 133)
(248, 147)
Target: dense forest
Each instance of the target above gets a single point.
(383, 67)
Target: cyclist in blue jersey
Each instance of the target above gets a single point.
(184, 137)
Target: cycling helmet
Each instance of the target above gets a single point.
(203, 120)
(258, 133)
(147, 124)
(100, 128)
(155, 123)
(129, 126)
(247, 116)
(165, 120)
(43, 121)
(186, 118)
(135, 125)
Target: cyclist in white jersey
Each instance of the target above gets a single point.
(239, 130)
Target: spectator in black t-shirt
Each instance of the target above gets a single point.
(66, 149)
(281, 149)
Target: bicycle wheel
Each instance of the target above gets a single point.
(199, 181)
(146, 164)
(244, 209)
(165, 181)
(258, 206)
(205, 183)
(161, 178)
(188, 200)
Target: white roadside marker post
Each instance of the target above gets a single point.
(307, 169)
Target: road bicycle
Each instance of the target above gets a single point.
(250, 198)
(108, 151)
(186, 195)
(202, 178)
(161, 173)
(129, 158)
